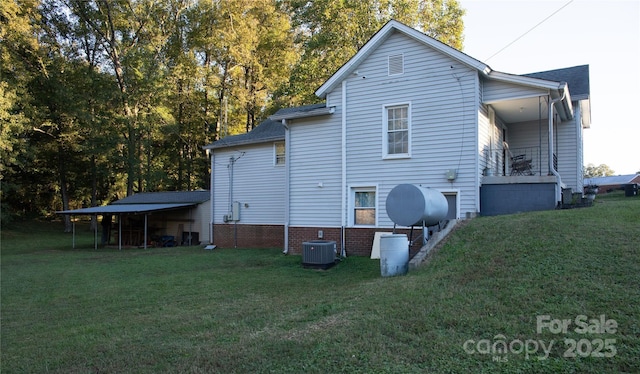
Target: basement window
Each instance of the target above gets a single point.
(364, 206)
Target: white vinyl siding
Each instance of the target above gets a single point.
(396, 131)
(443, 122)
(493, 91)
(443, 135)
(257, 185)
(315, 172)
(569, 141)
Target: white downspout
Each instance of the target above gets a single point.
(551, 168)
(211, 196)
(343, 252)
(287, 184)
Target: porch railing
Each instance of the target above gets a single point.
(519, 161)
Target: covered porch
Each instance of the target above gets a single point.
(523, 151)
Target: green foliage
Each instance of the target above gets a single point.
(186, 309)
(602, 170)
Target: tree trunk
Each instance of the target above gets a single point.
(94, 190)
(62, 172)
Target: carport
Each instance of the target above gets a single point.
(119, 210)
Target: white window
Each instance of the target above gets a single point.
(279, 152)
(396, 141)
(396, 64)
(364, 206)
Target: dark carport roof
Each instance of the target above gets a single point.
(166, 197)
(146, 202)
(125, 208)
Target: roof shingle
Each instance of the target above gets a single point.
(267, 130)
(576, 77)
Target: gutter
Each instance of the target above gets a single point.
(211, 196)
(287, 184)
(343, 252)
(552, 170)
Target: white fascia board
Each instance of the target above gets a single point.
(526, 81)
(379, 38)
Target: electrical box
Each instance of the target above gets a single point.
(451, 174)
(235, 211)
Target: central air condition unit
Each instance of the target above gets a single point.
(319, 254)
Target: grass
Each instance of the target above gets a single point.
(253, 311)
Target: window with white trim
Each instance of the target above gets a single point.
(397, 131)
(279, 153)
(364, 206)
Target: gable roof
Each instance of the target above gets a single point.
(166, 197)
(557, 89)
(611, 180)
(268, 130)
(577, 78)
(380, 37)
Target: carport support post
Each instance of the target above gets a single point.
(73, 232)
(190, 224)
(119, 232)
(145, 231)
(95, 234)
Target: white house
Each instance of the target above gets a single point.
(405, 109)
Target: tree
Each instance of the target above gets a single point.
(602, 170)
(103, 98)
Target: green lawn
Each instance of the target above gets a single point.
(247, 311)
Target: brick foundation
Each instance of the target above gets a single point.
(248, 236)
(358, 241)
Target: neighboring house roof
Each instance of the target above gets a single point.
(166, 197)
(268, 130)
(611, 180)
(146, 202)
(577, 78)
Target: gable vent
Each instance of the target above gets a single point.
(396, 64)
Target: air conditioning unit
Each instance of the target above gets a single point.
(319, 254)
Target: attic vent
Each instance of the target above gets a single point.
(396, 64)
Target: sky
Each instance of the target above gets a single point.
(604, 34)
